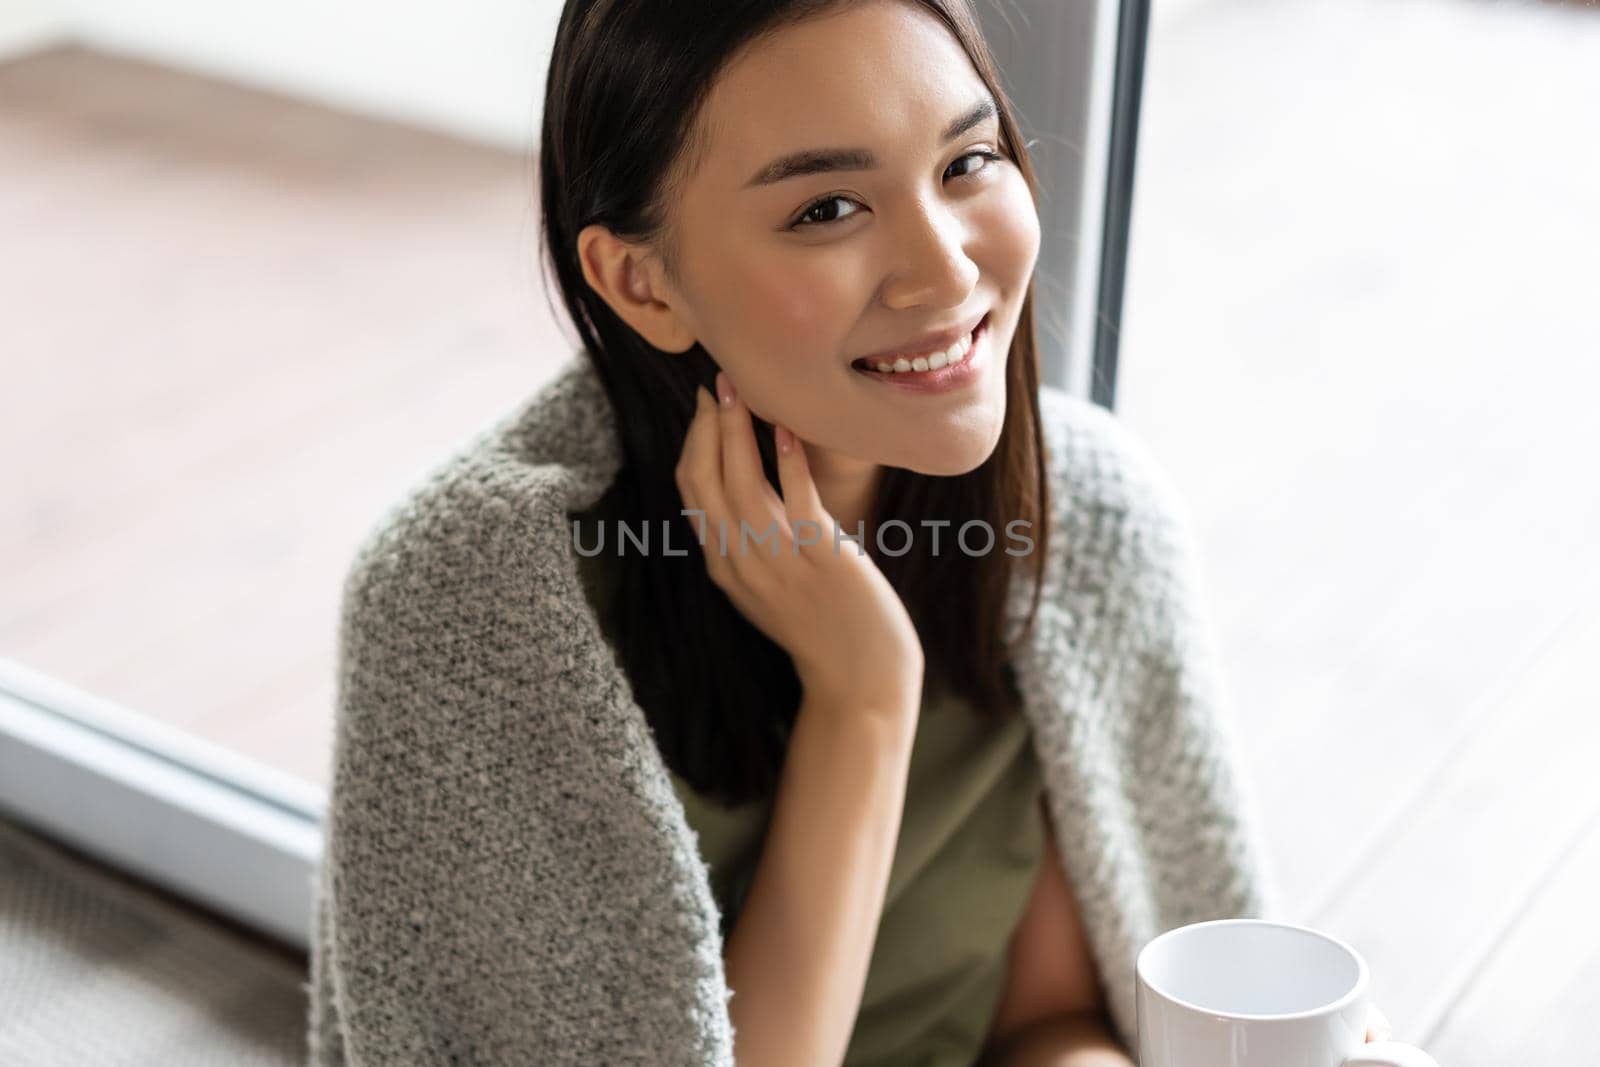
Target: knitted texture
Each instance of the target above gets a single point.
(508, 877)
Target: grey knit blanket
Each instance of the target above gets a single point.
(509, 877)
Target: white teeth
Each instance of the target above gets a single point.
(933, 361)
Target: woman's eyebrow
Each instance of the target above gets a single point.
(821, 160)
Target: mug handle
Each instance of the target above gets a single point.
(1390, 1054)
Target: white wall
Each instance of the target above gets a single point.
(471, 67)
(26, 25)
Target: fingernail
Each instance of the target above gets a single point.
(785, 439)
(724, 389)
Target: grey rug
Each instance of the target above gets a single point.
(98, 970)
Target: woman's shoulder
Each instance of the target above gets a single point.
(463, 627)
(465, 521)
(1104, 479)
(1093, 452)
(501, 497)
(1121, 532)
(489, 525)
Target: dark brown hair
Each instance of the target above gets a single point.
(627, 83)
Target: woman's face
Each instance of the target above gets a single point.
(923, 237)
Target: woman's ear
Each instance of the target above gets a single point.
(629, 279)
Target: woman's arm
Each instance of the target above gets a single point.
(1082, 1040)
(1049, 970)
(797, 957)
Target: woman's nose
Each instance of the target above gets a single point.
(933, 263)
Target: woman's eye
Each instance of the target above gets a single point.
(806, 218)
(992, 157)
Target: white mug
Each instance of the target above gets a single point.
(1255, 993)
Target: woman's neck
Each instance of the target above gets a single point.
(847, 488)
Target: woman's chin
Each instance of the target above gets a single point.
(953, 461)
(946, 470)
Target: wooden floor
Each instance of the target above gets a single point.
(236, 328)
(1361, 334)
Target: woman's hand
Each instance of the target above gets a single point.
(1378, 1028)
(841, 622)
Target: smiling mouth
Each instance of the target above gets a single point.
(924, 362)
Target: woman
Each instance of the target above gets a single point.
(915, 790)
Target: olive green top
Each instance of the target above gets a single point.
(971, 839)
